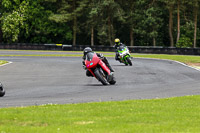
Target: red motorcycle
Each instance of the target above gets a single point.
(99, 69)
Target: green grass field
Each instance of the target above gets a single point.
(179, 114)
(3, 62)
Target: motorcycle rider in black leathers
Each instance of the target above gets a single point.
(104, 59)
(116, 46)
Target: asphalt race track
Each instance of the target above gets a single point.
(61, 80)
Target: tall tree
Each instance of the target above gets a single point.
(129, 8)
(1, 12)
(69, 11)
(109, 11)
(92, 19)
(153, 20)
(178, 21)
(170, 5)
(189, 24)
(196, 7)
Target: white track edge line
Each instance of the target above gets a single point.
(170, 60)
(6, 63)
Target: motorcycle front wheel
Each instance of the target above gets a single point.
(100, 76)
(129, 61)
(2, 91)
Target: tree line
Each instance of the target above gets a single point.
(167, 23)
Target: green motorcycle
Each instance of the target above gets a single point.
(124, 55)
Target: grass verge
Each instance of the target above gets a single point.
(181, 58)
(3, 62)
(180, 114)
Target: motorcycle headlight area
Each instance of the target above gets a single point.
(123, 53)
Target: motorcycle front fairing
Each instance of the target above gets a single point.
(91, 62)
(123, 52)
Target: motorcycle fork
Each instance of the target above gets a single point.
(92, 72)
(125, 60)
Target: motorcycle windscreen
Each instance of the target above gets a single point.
(121, 48)
(89, 56)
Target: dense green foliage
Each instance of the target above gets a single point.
(98, 22)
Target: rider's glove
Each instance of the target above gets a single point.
(84, 67)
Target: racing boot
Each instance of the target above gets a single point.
(118, 59)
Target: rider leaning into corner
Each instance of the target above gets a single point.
(117, 45)
(104, 59)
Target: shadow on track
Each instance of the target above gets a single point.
(119, 65)
(95, 85)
